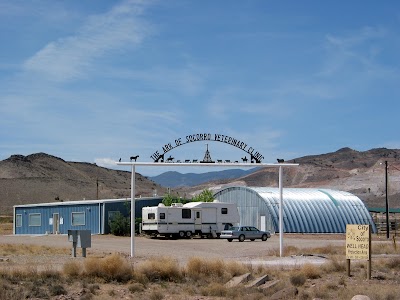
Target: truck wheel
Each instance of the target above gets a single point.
(181, 234)
(264, 237)
(241, 238)
(188, 234)
(230, 240)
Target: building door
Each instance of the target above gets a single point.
(262, 223)
(197, 220)
(56, 223)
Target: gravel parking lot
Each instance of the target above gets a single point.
(256, 252)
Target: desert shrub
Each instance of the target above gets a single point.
(234, 268)
(72, 268)
(214, 289)
(334, 265)
(36, 291)
(109, 268)
(93, 288)
(156, 295)
(49, 273)
(385, 248)
(310, 271)
(136, 287)
(57, 289)
(120, 225)
(393, 263)
(163, 268)
(197, 268)
(297, 278)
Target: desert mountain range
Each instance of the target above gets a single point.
(41, 177)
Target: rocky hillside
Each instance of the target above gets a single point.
(41, 177)
(44, 178)
(361, 173)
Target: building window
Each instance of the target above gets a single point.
(186, 213)
(151, 216)
(18, 220)
(224, 210)
(162, 215)
(35, 219)
(78, 218)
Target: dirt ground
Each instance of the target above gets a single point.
(183, 249)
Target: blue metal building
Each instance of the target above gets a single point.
(304, 210)
(59, 217)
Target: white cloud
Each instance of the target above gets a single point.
(71, 57)
(106, 162)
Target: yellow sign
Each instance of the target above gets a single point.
(358, 241)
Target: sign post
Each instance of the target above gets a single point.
(358, 245)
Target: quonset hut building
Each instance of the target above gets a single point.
(304, 210)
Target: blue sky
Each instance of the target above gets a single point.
(98, 80)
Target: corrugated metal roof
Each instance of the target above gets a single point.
(304, 210)
(87, 202)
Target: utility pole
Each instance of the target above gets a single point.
(387, 203)
(97, 188)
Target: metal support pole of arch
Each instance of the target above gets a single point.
(280, 213)
(133, 211)
(386, 200)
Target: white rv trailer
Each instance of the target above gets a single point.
(200, 218)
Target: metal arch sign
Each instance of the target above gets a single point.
(256, 156)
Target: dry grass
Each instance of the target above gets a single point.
(72, 269)
(198, 267)
(311, 271)
(159, 278)
(109, 268)
(164, 268)
(214, 289)
(385, 248)
(214, 270)
(21, 249)
(334, 265)
(292, 250)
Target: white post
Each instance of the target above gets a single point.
(132, 211)
(280, 213)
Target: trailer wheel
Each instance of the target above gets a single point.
(188, 234)
(181, 234)
(252, 240)
(241, 238)
(264, 237)
(230, 240)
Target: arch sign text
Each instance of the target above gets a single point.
(255, 156)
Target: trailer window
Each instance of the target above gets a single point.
(35, 219)
(162, 215)
(151, 216)
(224, 210)
(78, 218)
(186, 213)
(18, 220)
